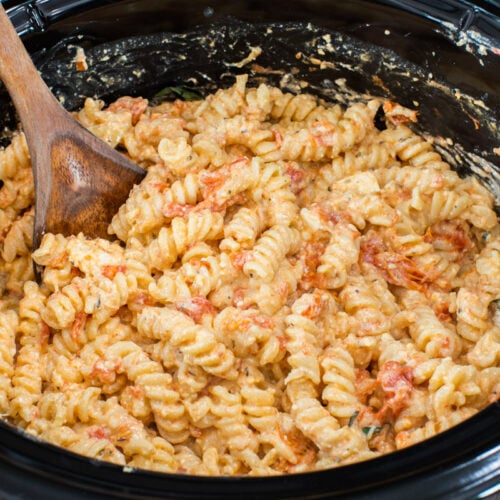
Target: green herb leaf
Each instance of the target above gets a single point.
(178, 92)
(371, 430)
(353, 418)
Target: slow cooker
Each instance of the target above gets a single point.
(433, 51)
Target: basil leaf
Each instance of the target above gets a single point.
(371, 430)
(178, 92)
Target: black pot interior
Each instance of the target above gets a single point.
(412, 52)
(448, 67)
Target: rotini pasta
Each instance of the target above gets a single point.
(288, 289)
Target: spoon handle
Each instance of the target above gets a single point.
(80, 181)
(31, 96)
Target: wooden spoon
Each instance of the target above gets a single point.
(80, 181)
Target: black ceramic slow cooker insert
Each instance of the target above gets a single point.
(412, 43)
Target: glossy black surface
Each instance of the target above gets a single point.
(461, 463)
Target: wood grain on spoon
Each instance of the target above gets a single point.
(80, 181)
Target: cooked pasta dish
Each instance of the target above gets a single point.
(290, 288)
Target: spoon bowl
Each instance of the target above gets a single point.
(80, 181)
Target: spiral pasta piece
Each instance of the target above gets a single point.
(487, 265)
(259, 407)
(433, 427)
(231, 422)
(271, 248)
(243, 229)
(291, 107)
(431, 336)
(486, 352)
(8, 327)
(361, 300)
(472, 314)
(198, 344)
(169, 412)
(174, 240)
(14, 157)
(452, 386)
(74, 404)
(110, 124)
(302, 344)
(339, 378)
(207, 273)
(367, 156)
(160, 459)
(413, 149)
(277, 195)
(226, 103)
(340, 254)
(143, 210)
(480, 212)
(19, 239)
(27, 376)
(86, 444)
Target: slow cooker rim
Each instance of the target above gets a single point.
(477, 462)
(34, 15)
(486, 447)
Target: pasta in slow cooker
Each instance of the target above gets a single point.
(289, 289)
